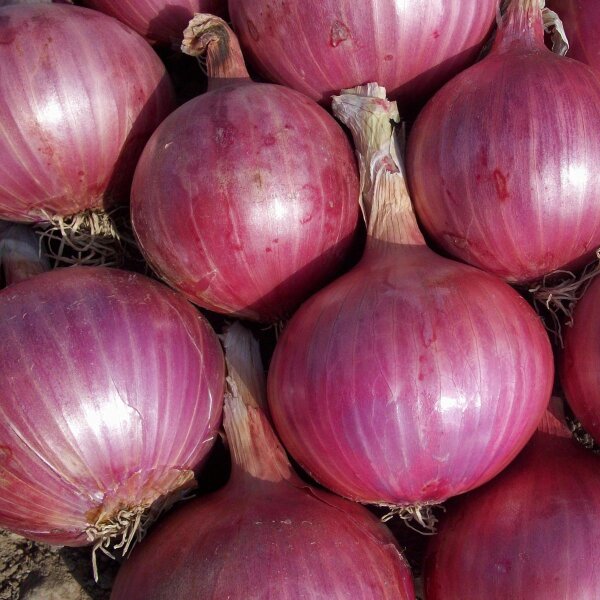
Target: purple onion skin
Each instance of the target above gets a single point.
(503, 170)
(319, 47)
(80, 94)
(579, 365)
(245, 200)
(530, 534)
(159, 21)
(410, 379)
(112, 391)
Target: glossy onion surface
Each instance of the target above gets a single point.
(322, 46)
(80, 94)
(111, 392)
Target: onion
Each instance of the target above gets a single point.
(111, 395)
(80, 95)
(503, 168)
(245, 198)
(319, 47)
(532, 533)
(412, 378)
(266, 534)
(20, 253)
(161, 21)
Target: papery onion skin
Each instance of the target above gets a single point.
(580, 361)
(111, 394)
(80, 94)
(530, 534)
(322, 46)
(160, 21)
(503, 170)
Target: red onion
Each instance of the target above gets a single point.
(111, 395)
(502, 162)
(20, 253)
(412, 378)
(80, 95)
(245, 198)
(532, 533)
(266, 534)
(319, 47)
(161, 21)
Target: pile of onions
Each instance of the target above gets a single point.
(161, 21)
(266, 534)
(503, 161)
(245, 197)
(580, 361)
(412, 378)
(319, 47)
(80, 94)
(20, 256)
(111, 396)
(532, 533)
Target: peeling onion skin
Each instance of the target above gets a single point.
(80, 94)
(159, 21)
(579, 364)
(319, 47)
(530, 534)
(111, 394)
(502, 167)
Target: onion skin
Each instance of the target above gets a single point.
(111, 395)
(580, 360)
(266, 534)
(80, 95)
(530, 534)
(503, 170)
(159, 21)
(319, 47)
(245, 198)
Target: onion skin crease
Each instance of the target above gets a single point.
(319, 47)
(80, 94)
(502, 162)
(412, 378)
(266, 534)
(111, 395)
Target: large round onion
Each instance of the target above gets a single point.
(266, 534)
(161, 21)
(412, 378)
(245, 198)
(533, 533)
(80, 95)
(318, 47)
(111, 395)
(503, 169)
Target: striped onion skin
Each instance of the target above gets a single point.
(245, 198)
(530, 534)
(111, 395)
(319, 47)
(412, 378)
(503, 170)
(266, 534)
(80, 94)
(160, 21)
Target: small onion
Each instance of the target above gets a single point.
(111, 395)
(412, 378)
(20, 253)
(266, 534)
(502, 162)
(318, 47)
(245, 197)
(533, 533)
(80, 95)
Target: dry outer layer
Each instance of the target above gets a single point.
(33, 571)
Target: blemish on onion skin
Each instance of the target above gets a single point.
(436, 34)
(339, 33)
(388, 57)
(253, 31)
(501, 185)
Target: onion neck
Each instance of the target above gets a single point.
(522, 27)
(210, 38)
(255, 450)
(553, 422)
(385, 201)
